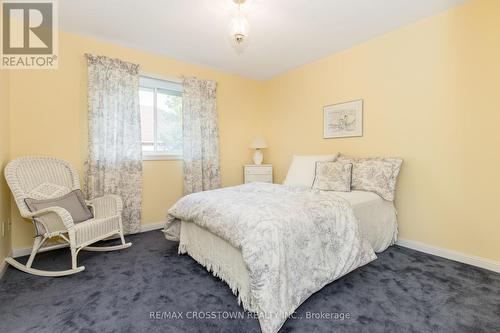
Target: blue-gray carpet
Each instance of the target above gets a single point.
(401, 291)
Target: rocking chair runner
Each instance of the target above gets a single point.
(48, 178)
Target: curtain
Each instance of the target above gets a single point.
(200, 135)
(114, 164)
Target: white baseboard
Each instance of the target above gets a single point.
(26, 251)
(152, 226)
(488, 264)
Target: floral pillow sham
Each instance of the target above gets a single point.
(333, 176)
(377, 175)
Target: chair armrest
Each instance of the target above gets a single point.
(53, 218)
(106, 206)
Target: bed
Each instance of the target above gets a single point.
(341, 231)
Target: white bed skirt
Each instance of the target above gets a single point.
(220, 258)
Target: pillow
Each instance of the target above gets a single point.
(302, 169)
(374, 174)
(73, 202)
(333, 176)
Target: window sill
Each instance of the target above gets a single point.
(161, 157)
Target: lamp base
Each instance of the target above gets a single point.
(258, 157)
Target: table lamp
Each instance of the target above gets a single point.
(258, 144)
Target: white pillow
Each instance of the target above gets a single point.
(302, 169)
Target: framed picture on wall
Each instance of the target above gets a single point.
(343, 120)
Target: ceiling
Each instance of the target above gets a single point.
(284, 34)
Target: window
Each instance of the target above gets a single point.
(161, 118)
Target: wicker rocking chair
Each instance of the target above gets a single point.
(47, 178)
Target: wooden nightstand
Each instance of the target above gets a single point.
(258, 173)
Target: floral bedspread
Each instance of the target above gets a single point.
(294, 241)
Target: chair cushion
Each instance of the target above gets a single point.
(73, 202)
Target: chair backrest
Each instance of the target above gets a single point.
(39, 178)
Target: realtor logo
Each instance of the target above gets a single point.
(29, 34)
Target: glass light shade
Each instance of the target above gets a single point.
(239, 28)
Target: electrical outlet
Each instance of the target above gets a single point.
(4, 226)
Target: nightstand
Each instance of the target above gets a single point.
(258, 173)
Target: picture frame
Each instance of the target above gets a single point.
(343, 120)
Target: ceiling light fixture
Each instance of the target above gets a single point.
(239, 25)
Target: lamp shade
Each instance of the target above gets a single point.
(258, 143)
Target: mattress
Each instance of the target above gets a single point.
(377, 220)
(376, 217)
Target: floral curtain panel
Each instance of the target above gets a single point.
(114, 164)
(200, 135)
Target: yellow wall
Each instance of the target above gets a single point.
(431, 93)
(4, 157)
(432, 96)
(49, 110)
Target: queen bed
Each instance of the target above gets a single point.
(275, 245)
(376, 218)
